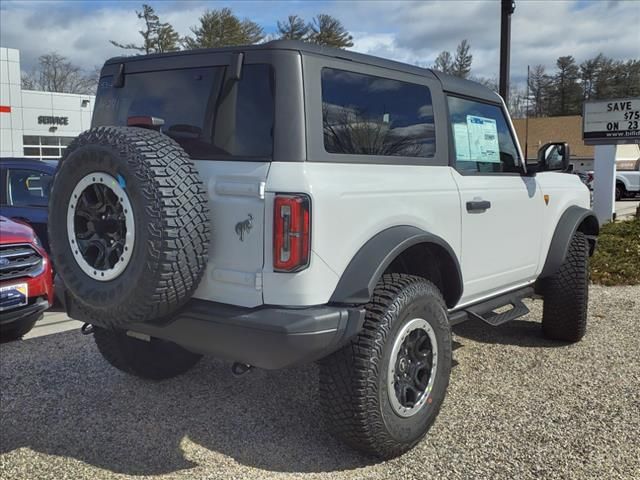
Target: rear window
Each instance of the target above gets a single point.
(209, 118)
(368, 115)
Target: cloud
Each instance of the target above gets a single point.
(407, 31)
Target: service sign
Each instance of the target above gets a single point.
(607, 122)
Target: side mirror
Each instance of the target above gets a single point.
(554, 157)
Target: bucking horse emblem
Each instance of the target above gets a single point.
(243, 228)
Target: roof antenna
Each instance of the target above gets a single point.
(526, 121)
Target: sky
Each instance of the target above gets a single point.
(407, 31)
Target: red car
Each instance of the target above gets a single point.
(26, 280)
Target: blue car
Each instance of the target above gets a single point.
(24, 195)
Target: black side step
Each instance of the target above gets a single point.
(517, 310)
(486, 311)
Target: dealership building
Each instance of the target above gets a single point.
(37, 124)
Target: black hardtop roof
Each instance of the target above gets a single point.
(449, 83)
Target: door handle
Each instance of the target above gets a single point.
(478, 206)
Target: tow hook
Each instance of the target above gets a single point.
(239, 369)
(87, 329)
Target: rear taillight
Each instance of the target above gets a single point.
(291, 233)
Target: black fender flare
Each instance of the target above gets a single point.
(358, 281)
(571, 220)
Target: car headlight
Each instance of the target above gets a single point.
(36, 241)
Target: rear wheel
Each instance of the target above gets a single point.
(154, 359)
(382, 392)
(566, 294)
(621, 192)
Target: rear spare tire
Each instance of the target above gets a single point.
(128, 226)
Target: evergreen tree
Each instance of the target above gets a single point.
(566, 89)
(329, 31)
(294, 28)
(168, 39)
(221, 28)
(462, 62)
(156, 37)
(630, 81)
(589, 70)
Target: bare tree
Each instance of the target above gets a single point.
(444, 62)
(55, 73)
(539, 89)
(489, 82)
(355, 132)
(460, 65)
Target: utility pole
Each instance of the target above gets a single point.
(508, 7)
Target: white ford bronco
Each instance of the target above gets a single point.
(287, 203)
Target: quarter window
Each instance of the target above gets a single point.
(482, 138)
(368, 115)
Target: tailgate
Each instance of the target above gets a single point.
(236, 253)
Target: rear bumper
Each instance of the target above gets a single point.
(266, 337)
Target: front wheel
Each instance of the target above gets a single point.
(566, 294)
(382, 392)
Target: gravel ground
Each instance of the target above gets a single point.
(518, 407)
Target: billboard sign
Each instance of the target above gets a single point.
(611, 122)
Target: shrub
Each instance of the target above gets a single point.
(617, 257)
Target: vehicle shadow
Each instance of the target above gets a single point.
(521, 333)
(58, 396)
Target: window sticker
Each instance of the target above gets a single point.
(461, 138)
(483, 139)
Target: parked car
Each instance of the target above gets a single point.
(286, 203)
(26, 283)
(586, 178)
(628, 182)
(24, 196)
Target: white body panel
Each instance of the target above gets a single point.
(351, 203)
(564, 191)
(500, 245)
(236, 195)
(498, 250)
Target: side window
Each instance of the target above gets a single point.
(482, 139)
(28, 188)
(367, 115)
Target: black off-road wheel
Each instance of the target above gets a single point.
(128, 226)
(621, 192)
(154, 359)
(566, 294)
(382, 392)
